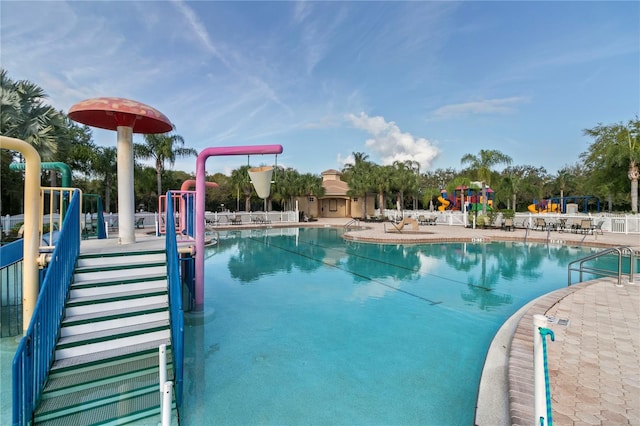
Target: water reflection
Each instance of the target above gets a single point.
(482, 268)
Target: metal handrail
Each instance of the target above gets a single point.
(34, 356)
(604, 272)
(355, 222)
(11, 262)
(175, 299)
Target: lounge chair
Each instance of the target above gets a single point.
(405, 221)
(237, 220)
(584, 227)
(507, 225)
(432, 220)
(422, 220)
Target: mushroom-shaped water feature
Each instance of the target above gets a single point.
(127, 117)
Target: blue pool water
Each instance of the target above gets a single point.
(311, 329)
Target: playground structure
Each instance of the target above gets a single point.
(463, 195)
(564, 204)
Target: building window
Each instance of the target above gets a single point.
(333, 205)
(355, 199)
(311, 199)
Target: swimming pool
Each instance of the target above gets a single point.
(311, 329)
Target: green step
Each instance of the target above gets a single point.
(120, 267)
(114, 297)
(111, 334)
(113, 355)
(119, 253)
(122, 391)
(99, 376)
(118, 281)
(65, 377)
(115, 314)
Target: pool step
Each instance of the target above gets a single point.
(105, 368)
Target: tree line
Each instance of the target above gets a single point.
(608, 169)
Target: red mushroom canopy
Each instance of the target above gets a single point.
(109, 113)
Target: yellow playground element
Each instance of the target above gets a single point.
(444, 203)
(549, 208)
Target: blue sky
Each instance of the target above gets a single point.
(426, 81)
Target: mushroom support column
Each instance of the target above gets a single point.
(127, 117)
(126, 208)
(200, 195)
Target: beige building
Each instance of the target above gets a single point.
(335, 202)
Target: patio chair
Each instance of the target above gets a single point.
(598, 228)
(237, 220)
(422, 220)
(561, 225)
(540, 224)
(140, 223)
(507, 225)
(584, 227)
(432, 220)
(209, 222)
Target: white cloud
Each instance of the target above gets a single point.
(392, 144)
(487, 106)
(349, 159)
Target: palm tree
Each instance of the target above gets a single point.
(240, 182)
(161, 148)
(24, 115)
(359, 177)
(403, 180)
(614, 147)
(285, 186)
(104, 165)
(381, 180)
(482, 164)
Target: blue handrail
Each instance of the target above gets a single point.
(175, 300)
(35, 352)
(11, 287)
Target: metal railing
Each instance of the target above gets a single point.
(619, 251)
(353, 223)
(175, 299)
(180, 205)
(55, 205)
(11, 288)
(34, 355)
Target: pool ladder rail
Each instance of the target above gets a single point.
(352, 224)
(621, 252)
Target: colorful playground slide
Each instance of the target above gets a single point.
(444, 203)
(549, 208)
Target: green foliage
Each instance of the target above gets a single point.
(605, 169)
(508, 213)
(612, 160)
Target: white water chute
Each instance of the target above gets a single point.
(261, 180)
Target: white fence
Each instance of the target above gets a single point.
(614, 223)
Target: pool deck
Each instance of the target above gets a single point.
(594, 362)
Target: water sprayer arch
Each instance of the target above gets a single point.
(200, 202)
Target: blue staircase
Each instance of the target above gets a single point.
(105, 368)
